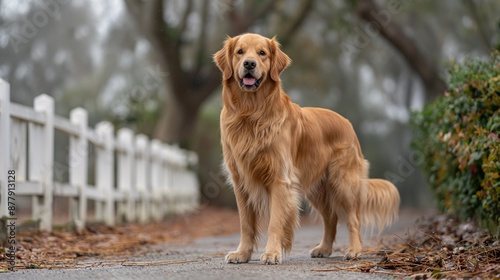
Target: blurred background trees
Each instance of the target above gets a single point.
(147, 65)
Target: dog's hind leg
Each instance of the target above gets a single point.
(324, 249)
(321, 202)
(351, 198)
(354, 227)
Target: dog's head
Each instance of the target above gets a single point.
(251, 60)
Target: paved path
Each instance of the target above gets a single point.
(204, 259)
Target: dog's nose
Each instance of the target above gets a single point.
(249, 64)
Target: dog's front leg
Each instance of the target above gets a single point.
(284, 208)
(248, 229)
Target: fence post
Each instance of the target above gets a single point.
(192, 159)
(183, 186)
(176, 177)
(170, 178)
(4, 147)
(35, 164)
(141, 178)
(105, 172)
(156, 173)
(165, 180)
(125, 175)
(78, 169)
(45, 104)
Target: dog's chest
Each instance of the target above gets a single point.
(249, 136)
(254, 146)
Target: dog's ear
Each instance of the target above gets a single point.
(279, 60)
(223, 58)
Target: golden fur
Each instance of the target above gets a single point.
(275, 151)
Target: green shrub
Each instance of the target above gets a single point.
(458, 137)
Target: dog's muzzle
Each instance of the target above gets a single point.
(249, 81)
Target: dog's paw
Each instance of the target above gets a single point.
(351, 254)
(321, 251)
(237, 257)
(271, 258)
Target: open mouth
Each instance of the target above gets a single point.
(250, 81)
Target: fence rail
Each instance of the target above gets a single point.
(136, 179)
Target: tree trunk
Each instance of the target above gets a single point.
(371, 13)
(176, 122)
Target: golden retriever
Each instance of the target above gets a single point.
(275, 151)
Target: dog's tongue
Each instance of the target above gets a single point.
(248, 81)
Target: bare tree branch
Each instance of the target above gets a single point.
(264, 10)
(288, 30)
(237, 22)
(241, 23)
(201, 51)
(483, 33)
(185, 16)
(434, 85)
(149, 17)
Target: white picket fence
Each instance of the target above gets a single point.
(135, 179)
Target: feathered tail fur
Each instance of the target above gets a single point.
(381, 204)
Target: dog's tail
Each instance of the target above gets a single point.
(381, 204)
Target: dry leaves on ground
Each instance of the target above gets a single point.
(66, 248)
(439, 248)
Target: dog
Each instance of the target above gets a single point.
(275, 152)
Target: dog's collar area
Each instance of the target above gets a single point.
(248, 81)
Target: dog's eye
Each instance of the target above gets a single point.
(240, 51)
(262, 53)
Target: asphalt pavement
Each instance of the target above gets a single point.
(204, 259)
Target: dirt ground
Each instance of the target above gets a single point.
(63, 247)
